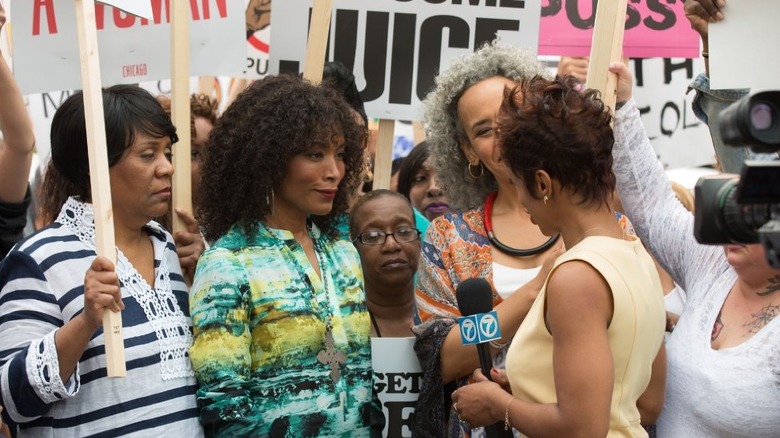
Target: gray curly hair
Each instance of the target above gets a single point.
(443, 129)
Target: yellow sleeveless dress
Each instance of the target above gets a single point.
(635, 333)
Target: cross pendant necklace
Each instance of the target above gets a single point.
(331, 356)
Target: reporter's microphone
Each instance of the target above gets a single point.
(475, 297)
(479, 325)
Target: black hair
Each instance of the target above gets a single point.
(246, 157)
(395, 166)
(340, 78)
(127, 109)
(410, 166)
(370, 196)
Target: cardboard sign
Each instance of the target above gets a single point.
(654, 28)
(132, 49)
(397, 381)
(395, 48)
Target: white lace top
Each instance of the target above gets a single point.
(41, 288)
(731, 392)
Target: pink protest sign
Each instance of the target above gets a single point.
(654, 28)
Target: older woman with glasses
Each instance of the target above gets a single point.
(383, 231)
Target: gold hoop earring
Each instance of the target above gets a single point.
(545, 199)
(471, 172)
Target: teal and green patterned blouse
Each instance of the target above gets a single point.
(259, 310)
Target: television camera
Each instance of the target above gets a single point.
(745, 209)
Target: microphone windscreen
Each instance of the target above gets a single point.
(474, 296)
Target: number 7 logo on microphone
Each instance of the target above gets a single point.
(479, 328)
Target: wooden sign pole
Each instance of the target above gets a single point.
(384, 154)
(316, 45)
(98, 169)
(607, 48)
(180, 109)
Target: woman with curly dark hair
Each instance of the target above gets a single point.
(583, 356)
(282, 332)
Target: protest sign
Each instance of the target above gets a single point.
(132, 49)
(678, 137)
(654, 28)
(397, 382)
(394, 48)
(743, 47)
(139, 8)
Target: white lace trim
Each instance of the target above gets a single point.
(44, 371)
(159, 304)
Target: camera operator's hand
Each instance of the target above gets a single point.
(625, 81)
(703, 12)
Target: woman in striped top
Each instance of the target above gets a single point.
(53, 378)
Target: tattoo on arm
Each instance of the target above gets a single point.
(762, 318)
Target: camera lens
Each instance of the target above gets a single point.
(762, 116)
(753, 121)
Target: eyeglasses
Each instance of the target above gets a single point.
(401, 235)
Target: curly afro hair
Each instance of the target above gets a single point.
(254, 140)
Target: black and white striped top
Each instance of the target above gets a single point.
(41, 288)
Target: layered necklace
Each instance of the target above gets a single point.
(487, 219)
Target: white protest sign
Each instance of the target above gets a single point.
(132, 49)
(140, 8)
(743, 47)
(395, 49)
(678, 137)
(397, 381)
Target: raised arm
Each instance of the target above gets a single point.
(19, 141)
(661, 221)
